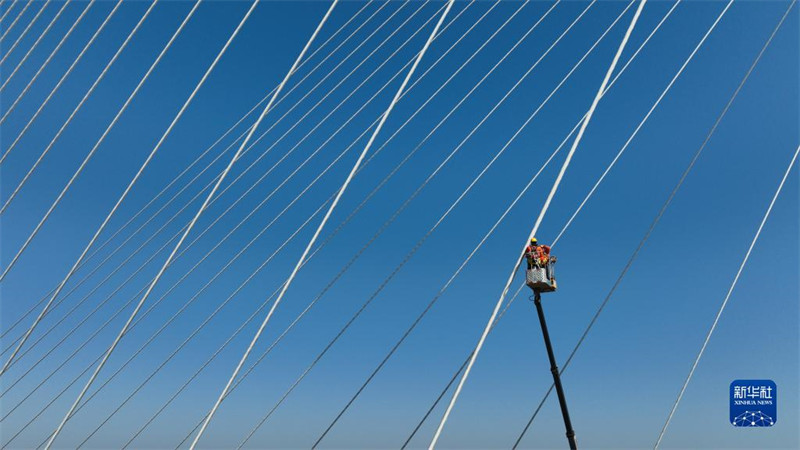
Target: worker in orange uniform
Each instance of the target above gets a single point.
(537, 255)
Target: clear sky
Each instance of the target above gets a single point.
(626, 375)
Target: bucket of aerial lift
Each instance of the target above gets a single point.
(536, 278)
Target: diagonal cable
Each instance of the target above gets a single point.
(8, 10)
(455, 375)
(558, 149)
(324, 220)
(219, 217)
(80, 103)
(199, 211)
(227, 265)
(46, 61)
(653, 224)
(25, 31)
(408, 201)
(467, 259)
(727, 297)
(185, 170)
(119, 113)
(16, 19)
(417, 246)
(543, 211)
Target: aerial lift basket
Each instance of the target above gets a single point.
(537, 278)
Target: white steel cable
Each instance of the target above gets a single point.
(68, 120)
(78, 172)
(323, 222)
(201, 156)
(291, 150)
(727, 297)
(318, 210)
(24, 32)
(404, 124)
(544, 165)
(455, 375)
(86, 159)
(397, 212)
(185, 170)
(302, 164)
(122, 197)
(391, 220)
(21, 12)
(91, 89)
(294, 234)
(466, 260)
(216, 220)
(546, 205)
(8, 10)
(237, 124)
(46, 61)
(442, 56)
(199, 212)
(174, 180)
(752, 243)
(656, 220)
(138, 174)
(207, 254)
(420, 242)
(80, 103)
(644, 120)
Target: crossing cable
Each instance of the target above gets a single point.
(86, 159)
(654, 223)
(752, 243)
(316, 299)
(82, 101)
(241, 252)
(21, 12)
(325, 219)
(435, 93)
(466, 260)
(646, 117)
(249, 278)
(382, 229)
(416, 246)
(141, 169)
(80, 104)
(24, 32)
(163, 296)
(386, 179)
(100, 140)
(46, 61)
(219, 217)
(536, 225)
(135, 178)
(558, 149)
(185, 170)
(84, 343)
(263, 134)
(199, 212)
(8, 10)
(174, 180)
(455, 375)
(727, 297)
(170, 290)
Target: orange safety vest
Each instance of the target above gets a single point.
(539, 253)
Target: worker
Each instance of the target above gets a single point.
(537, 255)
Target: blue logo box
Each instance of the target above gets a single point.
(754, 403)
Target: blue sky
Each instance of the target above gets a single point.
(624, 378)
